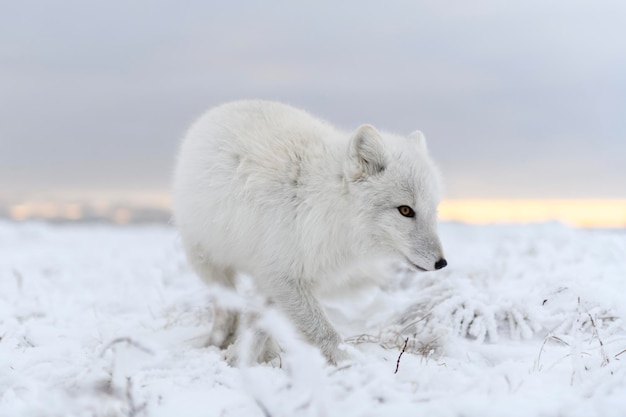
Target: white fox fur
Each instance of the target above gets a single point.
(268, 190)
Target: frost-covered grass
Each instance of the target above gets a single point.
(109, 321)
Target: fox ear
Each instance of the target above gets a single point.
(419, 139)
(366, 153)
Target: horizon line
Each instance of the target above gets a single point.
(579, 212)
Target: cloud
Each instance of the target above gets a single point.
(503, 91)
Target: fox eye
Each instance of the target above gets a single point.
(406, 211)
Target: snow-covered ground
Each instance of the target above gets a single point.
(100, 320)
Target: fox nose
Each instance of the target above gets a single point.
(441, 263)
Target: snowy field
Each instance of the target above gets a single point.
(102, 320)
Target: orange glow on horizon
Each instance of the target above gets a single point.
(576, 212)
(602, 213)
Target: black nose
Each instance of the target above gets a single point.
(441, 263)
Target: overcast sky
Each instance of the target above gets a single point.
(517, 99)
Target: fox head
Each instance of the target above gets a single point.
(396, 189)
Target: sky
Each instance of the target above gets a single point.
(516, 99)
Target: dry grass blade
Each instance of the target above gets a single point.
(537, 365)
(412, 323)
(605, 358)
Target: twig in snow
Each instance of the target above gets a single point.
(128, 340)
(406, 342)
(264, 410)
(28, 342)
(334, 370)
(620, 353)
(134, 410)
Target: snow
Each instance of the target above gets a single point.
(527, 320)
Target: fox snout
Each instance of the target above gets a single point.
(441, 263)
(433, 254)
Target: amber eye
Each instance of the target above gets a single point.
(406, 211)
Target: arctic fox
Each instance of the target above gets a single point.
(268, 190)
